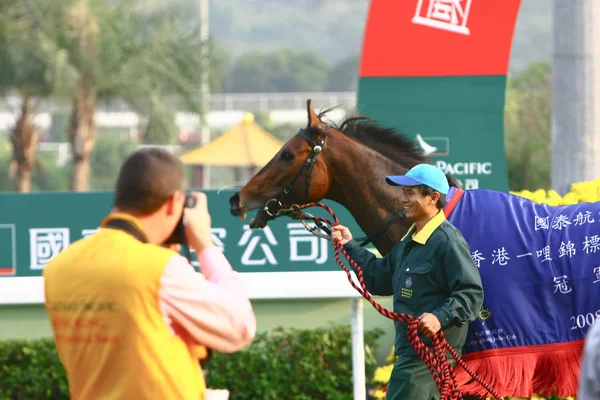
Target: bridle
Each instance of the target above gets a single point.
(274, 207)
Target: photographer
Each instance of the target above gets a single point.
(131, 317)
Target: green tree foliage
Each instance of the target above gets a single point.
(343, 76)
(527, 128)
(279, 71)
(283, 132)
(6, 182)
(334, 28)
(48, 176)
(109, 153)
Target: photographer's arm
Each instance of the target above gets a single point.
(211, 307)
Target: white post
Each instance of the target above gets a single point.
(358, 349)
(204, 86)
(576, 92)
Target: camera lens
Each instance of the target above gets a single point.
(190, 201)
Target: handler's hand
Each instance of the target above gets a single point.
(341, 233)
(429, 324)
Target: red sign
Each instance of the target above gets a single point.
(414, 38)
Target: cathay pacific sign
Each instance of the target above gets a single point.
(465, 168)
(468, 173)
(434, 146)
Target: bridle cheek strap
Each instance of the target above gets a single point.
(316, 149)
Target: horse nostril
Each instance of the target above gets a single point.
(234, 199)
(234, 203)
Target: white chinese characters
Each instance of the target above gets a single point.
(318, 246)
(560, 222)
(500, 256)
(582, 218)
(254, 246)
(544, 252)
(561, 284)
(592, 244)
(471, 184)
(218, 235)
(46, 243)
(597, 273)
(566, 249)
(541, 223)
(447, 15)
(477, 258)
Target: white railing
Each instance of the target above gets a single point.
(64, 155)
(280, 101)
(252, 102)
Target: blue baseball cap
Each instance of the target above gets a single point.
(422, 174)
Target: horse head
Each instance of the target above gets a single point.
(297, 173)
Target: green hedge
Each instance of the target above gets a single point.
(293, 364)
(30, 369)
(284, 363)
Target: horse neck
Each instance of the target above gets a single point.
(357, 175)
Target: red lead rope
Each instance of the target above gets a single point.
(435, 357)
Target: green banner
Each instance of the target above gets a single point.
(457, 121)
(35, 227)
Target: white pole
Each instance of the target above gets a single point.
(576, 92)
(358, 349)
(204, 87)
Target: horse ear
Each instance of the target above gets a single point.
(313, 118)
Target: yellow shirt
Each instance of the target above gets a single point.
(103, 302)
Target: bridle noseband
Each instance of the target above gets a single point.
(274, 207)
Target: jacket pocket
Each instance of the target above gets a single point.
(414, 283)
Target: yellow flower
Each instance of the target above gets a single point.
(382, 374)
(391, 358)
(570, 198)
(580, 192)
(523, 193)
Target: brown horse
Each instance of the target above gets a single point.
(321, 162)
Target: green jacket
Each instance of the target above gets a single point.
(430, 271)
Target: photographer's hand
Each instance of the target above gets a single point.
(176, 247)
(197, 223)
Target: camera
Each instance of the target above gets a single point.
(178, 235)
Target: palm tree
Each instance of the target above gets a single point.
(26, 71)
(82, 34)
(149, 60)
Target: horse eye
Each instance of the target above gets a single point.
(286, 156)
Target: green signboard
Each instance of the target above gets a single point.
(435, 70)
(35, 227)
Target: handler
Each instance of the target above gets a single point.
(429, 272)
(132, 318)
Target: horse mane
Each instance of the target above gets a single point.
(384, 140)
